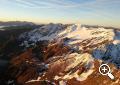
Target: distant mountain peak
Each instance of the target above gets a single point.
(15, 23)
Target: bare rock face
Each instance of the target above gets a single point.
(22, 67)
(28, 66)
(55, 50)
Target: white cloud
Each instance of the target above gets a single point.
(64, 3)
(96, 7)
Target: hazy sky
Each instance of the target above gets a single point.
(100, 12)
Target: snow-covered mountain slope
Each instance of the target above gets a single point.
(109, 53)
(71, 34)
(69, 66)
(66, 55)
(46, 32)
(92, 40)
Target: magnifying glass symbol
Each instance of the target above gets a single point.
(104, 69)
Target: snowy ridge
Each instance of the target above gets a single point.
(47, 32)
(104, 43)
(74, 33)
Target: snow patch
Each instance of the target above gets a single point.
(84, 60)
(38, 79)
(116, 42)
(62, 83)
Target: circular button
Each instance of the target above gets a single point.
(104, 69)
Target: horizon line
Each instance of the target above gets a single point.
(58, 23)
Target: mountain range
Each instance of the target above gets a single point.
(62, 54)
(15, 23)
